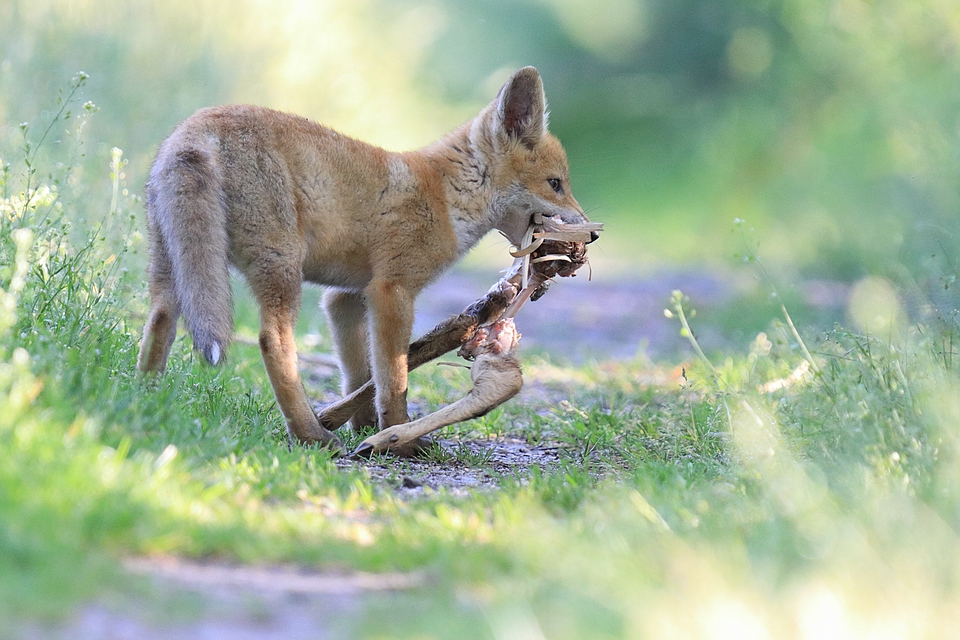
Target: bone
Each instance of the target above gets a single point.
(525, 294)
(553, 224)
(496, 379)
(530, 248)
(563, 236)
(445, 337)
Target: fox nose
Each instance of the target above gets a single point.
(593, 236)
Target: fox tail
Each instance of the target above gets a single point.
(187, 207)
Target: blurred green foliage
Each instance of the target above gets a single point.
(831, 126)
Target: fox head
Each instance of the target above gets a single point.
(528, 166)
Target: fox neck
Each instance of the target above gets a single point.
(468, 186)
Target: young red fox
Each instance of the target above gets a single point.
(284, 200)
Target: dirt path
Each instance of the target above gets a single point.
(500, 456)
(207, 601)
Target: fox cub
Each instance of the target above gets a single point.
(283, 199)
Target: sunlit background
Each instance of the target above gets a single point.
(830, 126)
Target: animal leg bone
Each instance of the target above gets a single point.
(445, 337)
(496, 378)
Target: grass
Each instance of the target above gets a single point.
(826, 504)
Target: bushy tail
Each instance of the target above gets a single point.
(188, 207)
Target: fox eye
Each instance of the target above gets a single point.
(556, 185)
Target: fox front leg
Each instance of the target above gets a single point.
(390, 323)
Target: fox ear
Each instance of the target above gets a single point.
(522, 108)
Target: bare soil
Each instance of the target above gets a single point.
(502, 457)
(208, 601)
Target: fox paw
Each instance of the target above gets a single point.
(325, 439)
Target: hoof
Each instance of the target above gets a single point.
(364, 451)
(416, 449)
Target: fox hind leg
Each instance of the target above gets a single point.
(161, 327)
(347, 313)
(278, 292)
